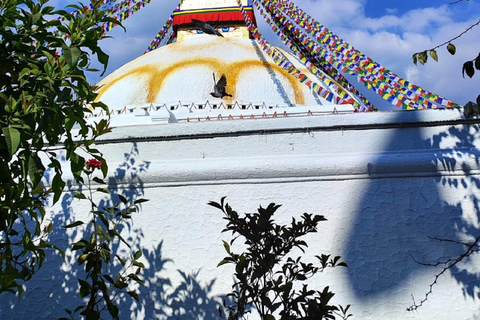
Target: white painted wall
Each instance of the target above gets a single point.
(385, 181)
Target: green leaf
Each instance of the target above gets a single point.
(138, 264)
(113, 309)
(72, 55)
(103, 59)
(57, 185)
(12, 137)
(82, 258)
(224, 261)
(80, 244)
(226, 246)
(49, 227)
(109, 278)
(122, 261)
(140, 201)
(133, 294)
(451, 48)
(98, 180)
(74, 224)
(79, 195)
(137, 255)
(121, 284)
(433, 54)
(104, 190)
(4, 97)
(123, 199)
(468, 69)
(85, 288)
(78, 309)
(35, 17)
(35, 169)
(216, 205)
(77, 163)
(423, 57)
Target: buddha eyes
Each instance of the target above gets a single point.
(221, 29)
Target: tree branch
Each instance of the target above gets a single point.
(458, 36)
(467, 244)
(468, 252)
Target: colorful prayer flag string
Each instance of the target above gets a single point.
(283, 62)
(317, 66)
(344, 57)
(163, 31)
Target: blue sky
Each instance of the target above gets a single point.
(379, 8)
(387, 31)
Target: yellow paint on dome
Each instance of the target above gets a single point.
(156, 76)
(183, 71)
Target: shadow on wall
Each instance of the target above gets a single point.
(398, 217)
(159, 299)
(278, 85)
(55, 287)
(452, 157)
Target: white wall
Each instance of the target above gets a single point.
(385, 181)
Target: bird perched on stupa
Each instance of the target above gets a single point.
(219, 87)
(205, 27)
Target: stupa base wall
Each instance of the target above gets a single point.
(387, 183)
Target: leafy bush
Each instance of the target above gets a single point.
(44, 94)
(267, 277)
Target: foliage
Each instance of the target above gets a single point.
(100, 288)
(468, 68)
(43, 98)
(267, 277)
(470, 110)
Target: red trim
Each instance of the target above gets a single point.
(235, 16)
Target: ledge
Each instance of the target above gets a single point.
(332, 122)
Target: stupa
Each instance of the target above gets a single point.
(388, 182)
(173, 83)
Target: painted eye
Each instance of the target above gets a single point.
(228, 29)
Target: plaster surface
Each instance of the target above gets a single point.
(385, 181)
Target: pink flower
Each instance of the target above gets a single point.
(94, 164)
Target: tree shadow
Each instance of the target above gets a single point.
(460, 153)
(398, 218)
(182, 297)
(55, 287)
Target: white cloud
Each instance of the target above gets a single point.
(391, 11)
(420, 20)
(332, 13)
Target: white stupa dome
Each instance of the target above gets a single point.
(180, 77)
